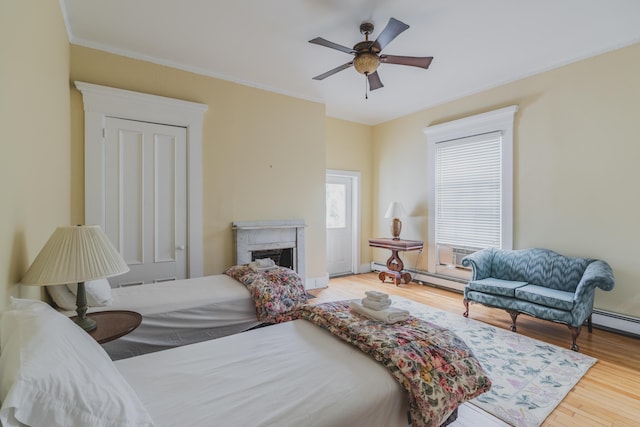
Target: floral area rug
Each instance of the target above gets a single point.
(530, 378)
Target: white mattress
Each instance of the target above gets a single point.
(289, 374)
(181, 312)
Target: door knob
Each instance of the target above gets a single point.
(180, 248)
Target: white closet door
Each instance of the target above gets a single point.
(145, 199)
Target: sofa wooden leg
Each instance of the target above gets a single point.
(575, 332)
(590, 324)
(514, 315)
(466, 307)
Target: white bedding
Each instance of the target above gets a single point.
(289, 374)
(181, 312)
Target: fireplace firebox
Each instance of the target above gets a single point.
(282, 241)
(282, 257)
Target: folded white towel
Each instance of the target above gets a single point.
(375, 305)
(375, 295)
(388, 315)
(255, 266)
(264, 262)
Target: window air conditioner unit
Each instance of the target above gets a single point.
(459, 253)
(452, 255)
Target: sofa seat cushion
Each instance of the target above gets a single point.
(494, 286)
(545, 296)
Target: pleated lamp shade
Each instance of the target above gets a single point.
(75, 254)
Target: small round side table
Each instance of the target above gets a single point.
(113, 324)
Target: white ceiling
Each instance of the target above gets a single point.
(476, 44)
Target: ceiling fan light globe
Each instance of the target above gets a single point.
(366, 63)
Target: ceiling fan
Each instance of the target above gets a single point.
(367, 53)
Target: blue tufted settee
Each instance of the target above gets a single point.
(538, 282)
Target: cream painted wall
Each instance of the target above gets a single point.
(349, 148)
(34, 119)
(575, 157)
(576, 165)
(263, 153)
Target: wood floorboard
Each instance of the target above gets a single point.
(609, 393)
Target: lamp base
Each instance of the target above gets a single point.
(86, 323)
(81, 308)
(396, 228)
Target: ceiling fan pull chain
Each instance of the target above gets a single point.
(366, 86)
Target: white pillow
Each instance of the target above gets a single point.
(62, 296)
(98, 293)
(52, 373)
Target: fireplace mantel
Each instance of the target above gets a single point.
(263, 227)
(265, 235)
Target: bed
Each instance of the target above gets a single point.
(178, 312)
(186, 311)
(289, 374)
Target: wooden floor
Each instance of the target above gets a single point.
(608, 395)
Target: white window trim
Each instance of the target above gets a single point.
(501, 120)
(103, 101)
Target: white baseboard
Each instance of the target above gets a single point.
(318, 282)
(364, 268)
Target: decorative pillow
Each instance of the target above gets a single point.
(98, 292)
(52, 373)
(62, 296)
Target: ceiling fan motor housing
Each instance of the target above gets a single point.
(366, 60)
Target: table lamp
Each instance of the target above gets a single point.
(76, 254)
(395, 211)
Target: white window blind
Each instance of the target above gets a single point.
(468, 193)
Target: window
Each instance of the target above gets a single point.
(336, 205)
(467, 190)
(470, 189)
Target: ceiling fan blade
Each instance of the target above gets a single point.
(390, 32)
(323, 42)
(332, 72)
(374, 81)
(414, 61)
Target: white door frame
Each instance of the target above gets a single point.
(102, 101)
(355, 213)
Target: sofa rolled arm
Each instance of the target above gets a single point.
(480, 263)
(597, 274)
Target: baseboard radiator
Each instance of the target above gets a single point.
(620, 323)
(615, 322)
(426, 278)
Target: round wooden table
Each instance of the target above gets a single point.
(113, 324)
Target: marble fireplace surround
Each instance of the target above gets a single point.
(267, 235)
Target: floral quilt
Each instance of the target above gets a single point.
(277, 293)
(435, 366)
